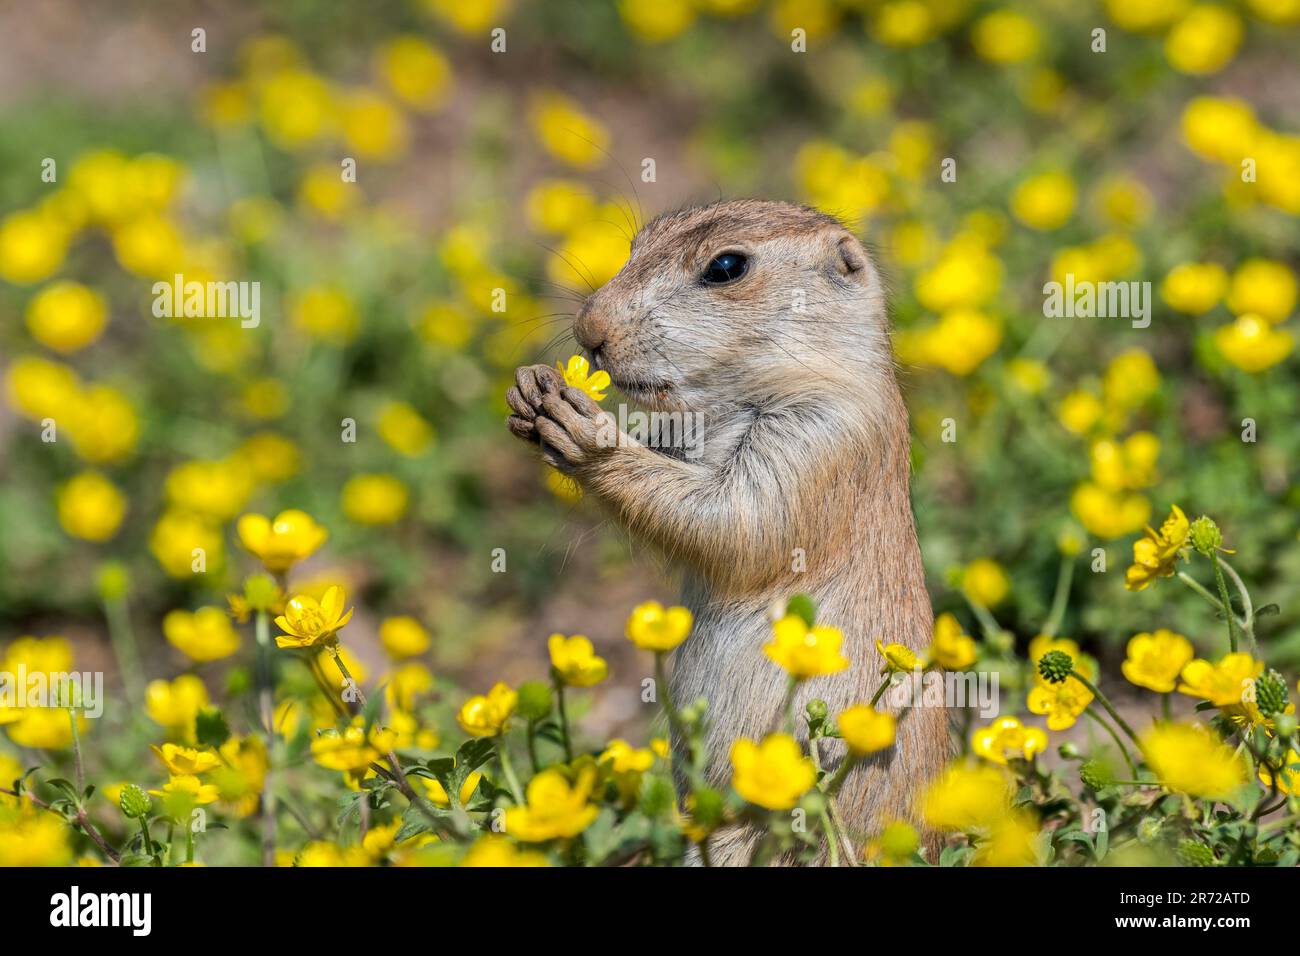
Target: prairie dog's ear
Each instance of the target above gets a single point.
(850, 258)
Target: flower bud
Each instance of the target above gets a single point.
(816, 709)
(1148, 830)
(135, 803)
(1068, 751)
(113, 581)
(1055, 666)
(1285, 725)
(261, 592)
(1270, 694)
(1095, 775)
(1205, 535)
(534, 700)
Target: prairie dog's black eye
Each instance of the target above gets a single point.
(727, 267)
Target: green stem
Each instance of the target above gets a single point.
(122, 637)
(144, 835)
(1110, 708)
(1247, 606)
(1224, 600)
(674, 719)
(832, 838)
(881, 689)
(564, 718)
(988, 624)
(1199, 588)
(1115, 737)
(1061, 599)
(532, 747)
(507, 768)
(78, 766)
(266, 709)
(787, 705)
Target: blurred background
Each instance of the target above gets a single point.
(493, 189)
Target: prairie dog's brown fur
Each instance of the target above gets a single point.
(804, 451)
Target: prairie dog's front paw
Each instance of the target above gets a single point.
(573, 425)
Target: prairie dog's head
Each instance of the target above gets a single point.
(740, 302)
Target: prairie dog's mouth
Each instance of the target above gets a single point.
(646, 390)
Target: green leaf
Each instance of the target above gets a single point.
(210, 728)
(1266, 610)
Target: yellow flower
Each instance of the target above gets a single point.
(269, 457)
(403, 637)
(575, 662)
(377, 499)
(1029, 375)
(280, 543)
(186, 761)
(438, 793)
(1123, 200)
(1079, 411)
(417, 73)
(1154, 661)
(899, 658)
(773, 774)
(43, 728)
(1129, 464)
(486, 715)
(621, 757)
(566, 132)
(372, 127)
(1220, 130)
(242, 777)
(657, 20)
(175, 704)
(1194, 287)
(1205, 40)
(951, 648)
(1262, 287)
(495, 851)
(103, 425)
(985, 582)
(1252, 345)
(652, 627)
(307, 623)
(326, 312)
(866, 730)
(1045, 201)
(178, 535)
(1061, 703)
(1188, 759)
(899, 23)
(969, 796)
(295, 107)
(558, 205)
(578, 375)
(320, 853)
(1131, 378)
(187, 790)
(67, 316)
(215, 489)
(1106, 512)
(470, 18)
(351, 751)
(805, 652)
(958, 343)
(599, 245)
(1288, 775)
(90, 507)
(1156, 553)
(895, 845)
(404, 429)
(206, 635)
(1005, 36)
(1011, 841)
(33, 244)
(1007, 738)
(32, 837)
(554, 809)
(1229, 683)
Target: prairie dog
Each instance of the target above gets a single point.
(769, 320)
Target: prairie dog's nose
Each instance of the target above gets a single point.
(591, 327)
